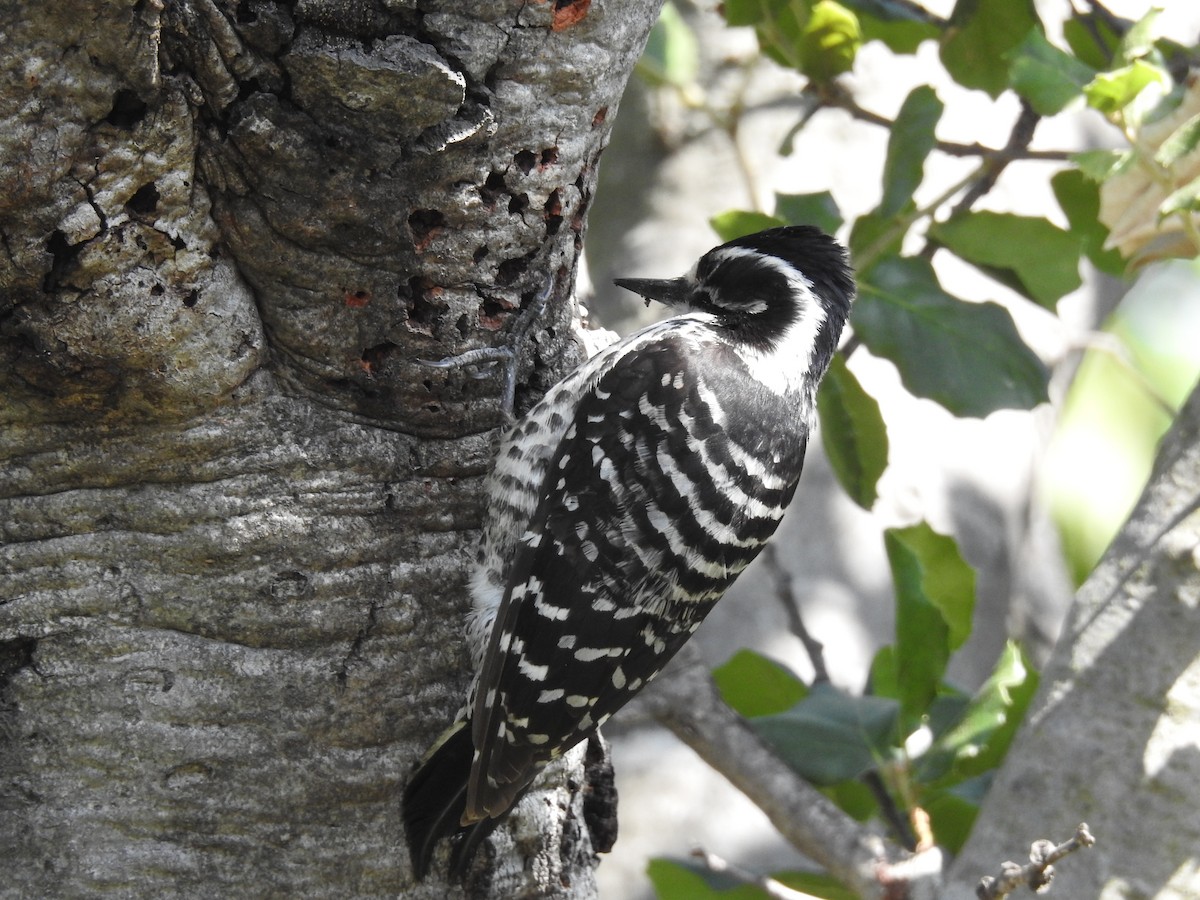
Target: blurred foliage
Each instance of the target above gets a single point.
(915, 742)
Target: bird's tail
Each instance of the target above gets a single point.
(435, 799)
(436, 794)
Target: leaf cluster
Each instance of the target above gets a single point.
(913, 741)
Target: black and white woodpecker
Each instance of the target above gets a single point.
(622, 507)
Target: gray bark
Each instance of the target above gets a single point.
(1112, 738)
(235, 510)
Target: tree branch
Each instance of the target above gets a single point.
(1040, 870)
(686, 701)
(787, 599)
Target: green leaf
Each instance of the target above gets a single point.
(829, 41)
(809, 209)
(883, 677)
(1138, 40)
(853, 433)
(754, 685)
(981, 32)
(853, 797)
(866, 235)
(981, 738)
(1182, 141)
(830, 736)
(818, 884)
(911, 140)
(678, 880)
(1182, 200)
(1111, 92)
(1079, 198)
(952, 815)
(672, 54)
(935, 599)
(1046, 76)
(1091, 39)
(900, 26)
(1099, 165)
(966, 356)
(737, 223)
(778, 25)
(1025, 252)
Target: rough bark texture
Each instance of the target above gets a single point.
(235, 510)
(1113, 738)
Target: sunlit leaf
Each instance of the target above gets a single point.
(1110, 92)
(1184, 199)
(737, 223)
(1098, 165)
(935, 599)
(829, 42)
(852, 433)
(754, 685)
(980, 739)
(1182, 141)
(672, 54)
(966, 356)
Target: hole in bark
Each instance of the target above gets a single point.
(15, 655)
(127, 110)
(525, 161)
(549, 157)
(424, 310)
(599, 117)
(463, 325)
(144, 200)
(512, 269)
(425, 225)
(62, 255)
(157, 291)
(553, 212)
(479, 255)
(191, 299)
(492, 189)
(374, 357)
(518, 204)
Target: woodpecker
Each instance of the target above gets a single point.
(622, 506)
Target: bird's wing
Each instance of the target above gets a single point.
(635, 536)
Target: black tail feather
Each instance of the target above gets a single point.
(436, 796)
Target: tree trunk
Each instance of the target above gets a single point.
(236, 511)
(1113, 736)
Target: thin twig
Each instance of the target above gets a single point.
(995, 163)
(1040, 870)
(776, 890)
(834, 95)
(791, 606)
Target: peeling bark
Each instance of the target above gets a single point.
(235, 511)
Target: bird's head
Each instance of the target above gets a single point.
(760, 287)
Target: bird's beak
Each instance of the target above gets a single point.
(670, 291)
